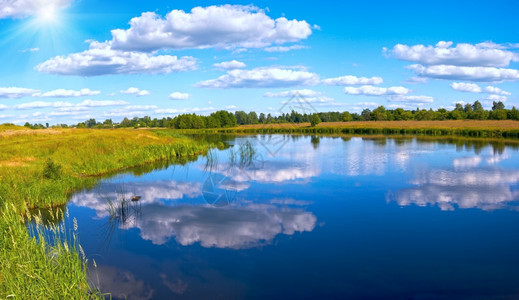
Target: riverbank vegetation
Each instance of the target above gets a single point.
(41, 168)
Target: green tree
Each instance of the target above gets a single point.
(241, 117)
(346, 117)
(497, 105)
(365, 114)
(379, 114)
(315, 120)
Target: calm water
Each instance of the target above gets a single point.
(321, 218)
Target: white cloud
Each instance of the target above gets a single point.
(175, 111)
(474, 88)
(179, 96)
(479, 55)
(262, 78)
(16, 92)
(3, 107)
(415, 80)
(496, 98)
(466, 87)
(284, 48)
(318, 100)
(101, 59)
(62, 93)
(292, 93)
(484, 74)
(369, 90)
(413, 99)
(353, 80)
(93, 103)
(226, 26)
(130, 111)
(24, 8)
(86, 103)
(497, 91)
(135, 91)
(30, 50)
(230, 65)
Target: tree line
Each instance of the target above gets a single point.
(224, 119)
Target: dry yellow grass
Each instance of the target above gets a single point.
(486, 124)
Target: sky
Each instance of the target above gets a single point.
(65, 61)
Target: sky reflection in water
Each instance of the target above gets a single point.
(325, 217)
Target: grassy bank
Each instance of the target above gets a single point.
(463, 128)
(41, 168)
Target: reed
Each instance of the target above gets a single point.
(48, 263)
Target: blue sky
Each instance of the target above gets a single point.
(64, 61)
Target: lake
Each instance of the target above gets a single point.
(308, 217)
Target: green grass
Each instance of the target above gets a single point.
(46, 264)
(42, 168)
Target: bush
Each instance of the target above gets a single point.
(51, 170)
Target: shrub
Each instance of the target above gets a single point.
(51, 170)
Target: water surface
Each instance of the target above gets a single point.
(301, 217)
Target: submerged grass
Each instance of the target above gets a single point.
(41, 168)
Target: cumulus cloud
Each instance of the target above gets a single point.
(225, 26)
(230, 65)
(16, 92)
(101, 59)
(292, 93)
(175, 111)
(353, 80)
(62, 93)
(284, 48)
(24, 8)
(135, 91)
(262, 78)
(483, 74)
(497, 91)
(86, 103)
(130, 111)
(466, 87)
(178, 96)
(369, 90)
(480, 55)
(496, 98)
(411, 99)
(474, 88)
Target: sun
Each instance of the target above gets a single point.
(47, 14)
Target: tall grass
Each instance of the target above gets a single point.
(48, 264)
